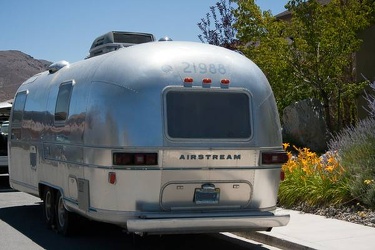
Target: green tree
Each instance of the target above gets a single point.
(264, 41)
(310, 55)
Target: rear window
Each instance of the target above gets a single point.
(208, 114)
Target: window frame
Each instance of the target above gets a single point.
(15, 104)
(221, 139)
(62, 106)
(16, 125)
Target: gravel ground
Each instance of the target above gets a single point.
(354, 213)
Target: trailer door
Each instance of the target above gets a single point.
(22, 153)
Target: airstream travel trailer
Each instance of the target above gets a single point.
(158, 137)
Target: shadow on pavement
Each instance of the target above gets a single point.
(4, 183)
(27, 219)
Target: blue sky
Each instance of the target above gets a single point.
(64, 30)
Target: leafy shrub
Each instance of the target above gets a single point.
(346, 173)
(356, 148)
(313, 180)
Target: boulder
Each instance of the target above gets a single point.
(304, 125)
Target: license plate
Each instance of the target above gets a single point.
(206, 196)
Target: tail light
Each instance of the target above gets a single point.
(131, 159)
(275, 157)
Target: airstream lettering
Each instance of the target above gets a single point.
(156, 137)
(208, 157)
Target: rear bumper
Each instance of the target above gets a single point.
(258, 222)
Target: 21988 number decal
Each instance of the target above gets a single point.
(203, 68)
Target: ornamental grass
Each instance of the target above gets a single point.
(356, 147)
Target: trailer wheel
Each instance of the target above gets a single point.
(49, 207)
(63, 216)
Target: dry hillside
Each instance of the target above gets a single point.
(15, 68)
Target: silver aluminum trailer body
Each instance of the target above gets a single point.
(161, 137)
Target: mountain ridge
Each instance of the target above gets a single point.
(16, 67)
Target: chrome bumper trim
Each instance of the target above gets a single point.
(206, 224)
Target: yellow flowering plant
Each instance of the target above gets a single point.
(369, 182)
(313, 179)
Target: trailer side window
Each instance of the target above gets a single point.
(17, 115)
(63, 101)
(18, 107)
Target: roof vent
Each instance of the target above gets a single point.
(54, 67)
(165, 39)
(118, 39)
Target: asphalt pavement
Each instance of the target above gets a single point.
(309, 231)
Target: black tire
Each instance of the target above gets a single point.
(63, 217)
(49, 207)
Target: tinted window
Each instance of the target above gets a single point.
(18, 107)
(63, 101)
(208, 114)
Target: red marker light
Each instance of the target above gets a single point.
(282, 175)
(188, 80)
(112, 177)
(225, 81)
(206, 81)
